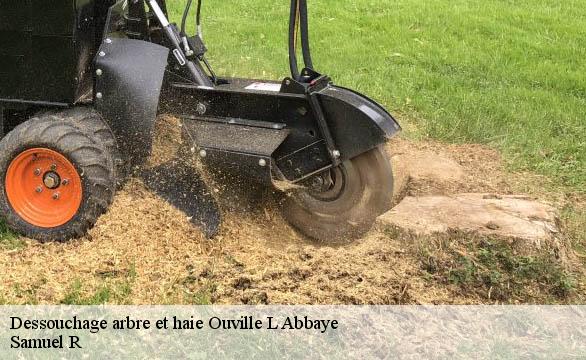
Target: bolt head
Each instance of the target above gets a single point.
(39, 189)
(65, 182)
(201, 109)
(318, 181)
(102, 54)
(99, 95)
(262, 162)
(37, 172)
(108, 41)
(50, 182)
(336, 153)
(203, 153)
(99, 72)
(55, 196)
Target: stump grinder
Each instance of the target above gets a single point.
(83, 81)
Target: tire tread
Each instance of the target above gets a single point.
(96, 170)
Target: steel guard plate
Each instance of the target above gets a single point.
(129, 77)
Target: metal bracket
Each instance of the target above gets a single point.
(312, 83)
(314, 87)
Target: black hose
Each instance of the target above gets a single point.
(184, 19)
(198, 16)
(299, 21)
(292, 40)
(304, 25)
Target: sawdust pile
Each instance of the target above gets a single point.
(144, 251)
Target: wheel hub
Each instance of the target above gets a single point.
(46, 201)
(329, 185)
(52, 180)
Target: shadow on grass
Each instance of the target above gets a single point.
(8, 239)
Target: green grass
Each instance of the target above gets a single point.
(492, 270)
(115, 288)
(75, 295)
(506, 73)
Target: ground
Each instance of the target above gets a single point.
(143, 251)
(496, 87)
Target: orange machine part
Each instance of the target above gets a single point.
(33, 200)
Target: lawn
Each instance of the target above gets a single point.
(510, 74)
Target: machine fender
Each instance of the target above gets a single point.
(129, 77)
(357, 123)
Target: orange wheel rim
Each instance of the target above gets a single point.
(43, 187)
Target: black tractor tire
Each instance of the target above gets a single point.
(365, 193)
(92, 124)
(87, 163)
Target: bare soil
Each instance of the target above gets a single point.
(144, 251)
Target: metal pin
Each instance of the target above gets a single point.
(102, 54)
(108, 41)
(99, 95)
(336, 153)
(99, 72)
(262, 162)
(203, 153)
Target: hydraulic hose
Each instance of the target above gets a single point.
(184, 18)
(304, 25)
(198, 19)
(293, 39)
(299, 23)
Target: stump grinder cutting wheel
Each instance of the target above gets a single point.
(78, 105)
